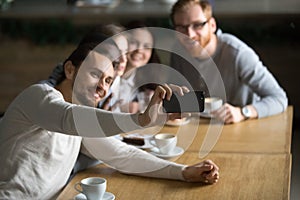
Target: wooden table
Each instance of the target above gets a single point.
(254, 159)
(266, 135)
(242, 176)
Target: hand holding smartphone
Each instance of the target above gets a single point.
(192, 101)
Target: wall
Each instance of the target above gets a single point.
(29, 51)
(23, 63)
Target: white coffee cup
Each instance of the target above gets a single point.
(93, 187)
(212, 103)
(165, 142)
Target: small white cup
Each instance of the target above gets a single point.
(93, 187)
(165, 142)
(212, 103)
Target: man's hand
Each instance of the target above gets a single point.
(231, 114)
(107, 103)
(153, 114)
(206, 172)
(181, 90)
(228, 113)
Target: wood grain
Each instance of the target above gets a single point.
(254, 159)
(266, 135)
(243, 176)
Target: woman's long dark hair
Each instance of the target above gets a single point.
(144, 74)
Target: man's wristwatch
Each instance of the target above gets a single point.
(246, 112)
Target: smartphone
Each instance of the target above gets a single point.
(189, 102)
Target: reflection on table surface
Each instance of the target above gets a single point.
(267, 135)
(242, 176)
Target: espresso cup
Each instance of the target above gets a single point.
(165, 142)
(212, 103)
(93, 187)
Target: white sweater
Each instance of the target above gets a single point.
(41, 136)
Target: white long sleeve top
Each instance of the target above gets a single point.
(41, 136)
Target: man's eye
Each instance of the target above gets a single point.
(95, 74)
(108, 80)
(197, 25)
(116, 64)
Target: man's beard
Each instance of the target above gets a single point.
(80, 97)
(83, 100)
(198, 50)
(83, 97)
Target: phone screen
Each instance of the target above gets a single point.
(190, 102)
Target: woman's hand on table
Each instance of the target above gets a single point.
(206, 172)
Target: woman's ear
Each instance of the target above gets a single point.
(70, 70)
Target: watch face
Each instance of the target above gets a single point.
(246, 112)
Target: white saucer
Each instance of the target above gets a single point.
(176, 152)
(107, 196)
(177, 122)
(205, 115)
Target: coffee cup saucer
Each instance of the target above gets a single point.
(107, 196)
(206, 115)
(176, 152)
(178, 122)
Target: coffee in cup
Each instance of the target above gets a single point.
(93, 187)
(165, 142)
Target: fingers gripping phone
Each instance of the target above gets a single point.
(190, 102)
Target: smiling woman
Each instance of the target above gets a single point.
(140, 55)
